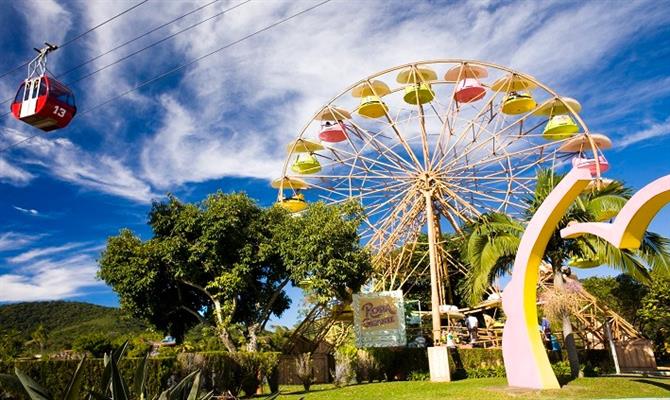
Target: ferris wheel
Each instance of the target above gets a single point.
(428, 146)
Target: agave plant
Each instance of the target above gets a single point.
(112, 383)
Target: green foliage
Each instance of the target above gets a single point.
(655, 314)
(202, 338)
(230, 258)
(11, 344)
(62, 322)
(97, 344)
(344, 373)
(495, 371)
(113, 385)
(418, 376)
(322, 248)
(622, 294)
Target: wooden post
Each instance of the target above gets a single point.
(432, 252)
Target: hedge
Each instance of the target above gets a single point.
(222, 371)
(401, 364)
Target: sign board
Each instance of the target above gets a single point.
(379, 319)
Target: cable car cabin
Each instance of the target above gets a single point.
(44, 103)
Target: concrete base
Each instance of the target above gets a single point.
(438, 362)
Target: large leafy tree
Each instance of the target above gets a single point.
(655, 314)
(622, 293)
(490, 245)
(226, 262)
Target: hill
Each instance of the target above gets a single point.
(64, 321)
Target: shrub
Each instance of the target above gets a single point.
(366, 367)
(254, 366)
(562, 371)
(344, 372)
(418, 376)
(304, 370)
(96, 344)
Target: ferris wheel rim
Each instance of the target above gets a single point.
(332, 106)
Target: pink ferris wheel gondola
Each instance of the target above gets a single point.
(332, 132)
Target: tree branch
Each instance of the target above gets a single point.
(195, 314)
(267, 311)
(200, 288)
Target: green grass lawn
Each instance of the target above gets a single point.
(487, 389)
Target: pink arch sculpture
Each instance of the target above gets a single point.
(526, 361)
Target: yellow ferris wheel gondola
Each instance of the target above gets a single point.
(288, 182)
(303, 146)
(294, 204)
(518, 99)
(305, 164)
(560, 125)
(418, 89)
(370, 93)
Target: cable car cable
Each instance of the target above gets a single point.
(182, 66)
(79, 36)
(137, 38)
(81, 78)
(124, 58)
(103, 23)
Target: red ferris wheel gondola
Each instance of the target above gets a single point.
(41, 100)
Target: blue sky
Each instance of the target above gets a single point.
(221, 123)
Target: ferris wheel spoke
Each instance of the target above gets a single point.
(381, 147)
(485, 194)
(487, 106)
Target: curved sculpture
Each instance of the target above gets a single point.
(526, 361)
(629, 226)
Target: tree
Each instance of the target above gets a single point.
(95, 343)
(490, 244)
(40, 337)
(655, 314)
(11, 344)
(226, 261)
(622, 294)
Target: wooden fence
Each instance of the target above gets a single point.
(322, 364)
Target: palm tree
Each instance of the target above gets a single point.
(490, 244)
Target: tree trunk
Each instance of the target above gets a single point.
(252, 344)
(221, 327)
(568, 335)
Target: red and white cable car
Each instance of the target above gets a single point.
(41, 100)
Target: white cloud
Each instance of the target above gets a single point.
(657, 129)
(67, 161)
(231, 114)
(48, 280)
(42, 252)
(29, 211)
(14, 241)
(267, 88)
(14, 175)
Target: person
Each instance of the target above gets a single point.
(472, 324)
(546, 332)
(450, 339)
(556, 354)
